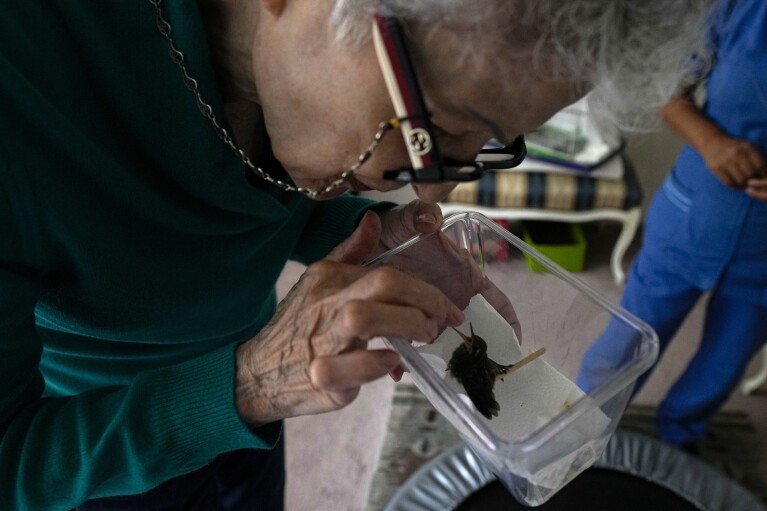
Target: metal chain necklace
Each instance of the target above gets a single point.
(206, 110)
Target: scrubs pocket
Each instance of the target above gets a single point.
(667, 215)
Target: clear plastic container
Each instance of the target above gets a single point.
(552, 416)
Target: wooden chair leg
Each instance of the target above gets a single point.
(751, 384)
(630, 226)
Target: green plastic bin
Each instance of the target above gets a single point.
(563, 243)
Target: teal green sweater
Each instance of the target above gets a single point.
(134, 257)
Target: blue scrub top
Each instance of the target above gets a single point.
(712, 234)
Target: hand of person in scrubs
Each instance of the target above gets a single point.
(313, 356)
(756, 187)
(735, 162)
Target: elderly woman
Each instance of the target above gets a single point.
(159, 161)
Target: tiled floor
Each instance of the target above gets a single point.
(331, 457)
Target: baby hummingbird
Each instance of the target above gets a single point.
(477, 372)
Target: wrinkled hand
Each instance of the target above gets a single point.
(439, 261)
(734, 161)
(313, 357)
(401, 223)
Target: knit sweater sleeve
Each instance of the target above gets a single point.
(56, 452)
(331, 223)
(114, 440)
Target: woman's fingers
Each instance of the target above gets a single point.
(734, 161)
(757, 189)
(746, 163)
(502, 304)
(346, 372)
(757, 161)
(390, 285)
(342, 283)
(358, 322)
(313, 356)
(405, 221)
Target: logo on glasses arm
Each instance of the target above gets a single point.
(419, 141)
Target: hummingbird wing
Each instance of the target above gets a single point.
(498, 370)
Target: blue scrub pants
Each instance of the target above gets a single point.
(245, 480)
(733, 332)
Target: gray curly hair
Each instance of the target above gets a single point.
(635, 54)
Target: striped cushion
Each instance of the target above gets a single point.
(545, 190)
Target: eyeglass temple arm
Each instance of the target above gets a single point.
(404, 91)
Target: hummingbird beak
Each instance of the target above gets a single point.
(466, 338)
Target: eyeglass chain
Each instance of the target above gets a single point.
(206, 110)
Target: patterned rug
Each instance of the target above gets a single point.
(416, 433)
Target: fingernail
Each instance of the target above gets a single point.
(426, 218)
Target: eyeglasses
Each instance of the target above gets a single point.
(427, 163)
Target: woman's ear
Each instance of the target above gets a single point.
(274, 6)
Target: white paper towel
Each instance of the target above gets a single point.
(529, 397)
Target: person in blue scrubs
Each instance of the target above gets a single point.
(706, 231)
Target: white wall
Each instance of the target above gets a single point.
(653, 155)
